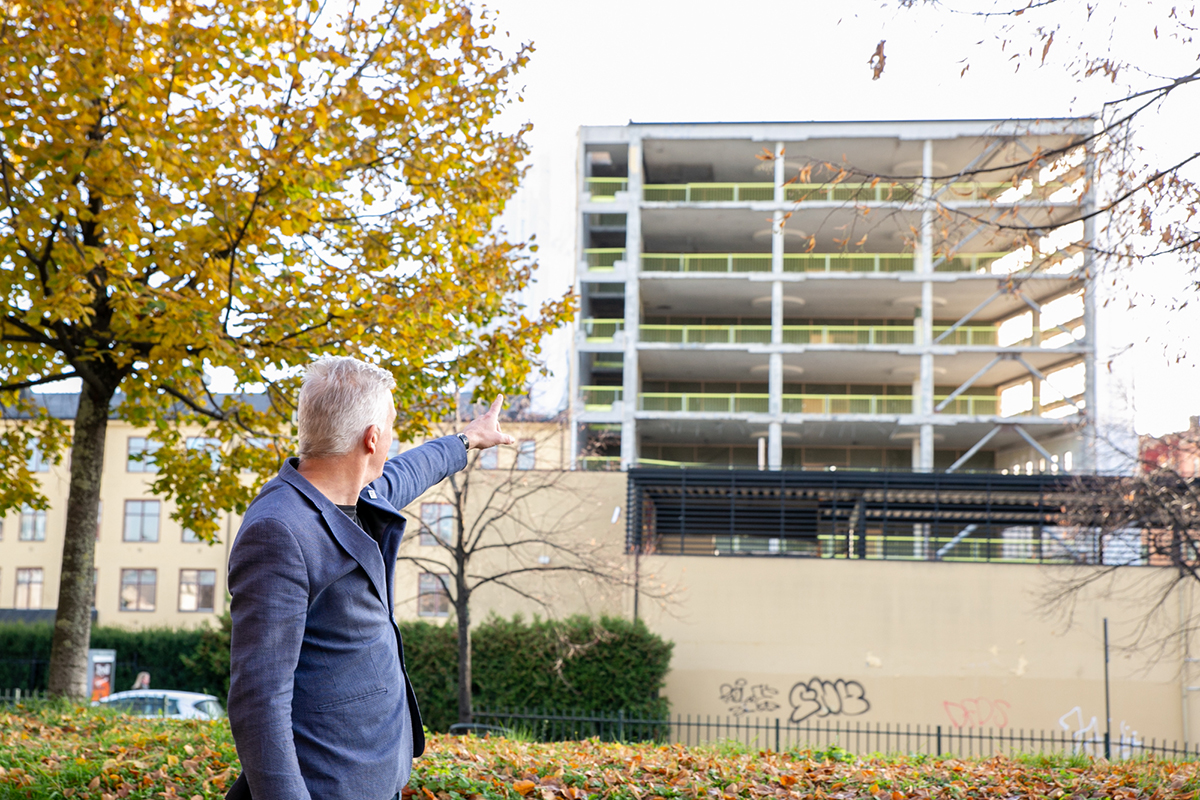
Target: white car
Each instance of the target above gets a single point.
(164, 703)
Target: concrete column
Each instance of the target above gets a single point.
(775, 407)
(775, 446)
(1090, 455)
(775, 360)
(925, 267)
(631, 383)
(779, 172)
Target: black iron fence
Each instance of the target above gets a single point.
(14, 696)
(858, 738)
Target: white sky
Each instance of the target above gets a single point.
(783, 60)
(671, 60)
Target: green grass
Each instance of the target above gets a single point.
(57, 749)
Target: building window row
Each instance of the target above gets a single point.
(526, 456)
(197, 590)
(139, 589)
(141, 523)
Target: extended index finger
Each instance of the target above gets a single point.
(494, 411)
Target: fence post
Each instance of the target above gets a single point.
(939, 741)
(621, 725)
(777, 734)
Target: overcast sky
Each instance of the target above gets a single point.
(668, 61)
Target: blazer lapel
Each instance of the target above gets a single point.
(393, 522)
(353, 539)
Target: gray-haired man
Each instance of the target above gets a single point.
(319, 700)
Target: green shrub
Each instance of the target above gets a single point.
(574, 664)
(577, 664)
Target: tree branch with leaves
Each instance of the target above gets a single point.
(236, 187)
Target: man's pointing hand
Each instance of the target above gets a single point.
(484, 432)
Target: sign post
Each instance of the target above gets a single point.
(101, 671)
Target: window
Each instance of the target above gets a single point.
(526, 452)
(197, 589)
(29, 588)
(1068, 461)
(190, 537)
(490, 458)
(33, 524)
(138, 589)
(432, 599)
(141, 521)
(134, 461)
(437, 522)
(37, 462)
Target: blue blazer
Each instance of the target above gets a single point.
(319, 700)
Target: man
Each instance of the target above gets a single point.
(319, 700)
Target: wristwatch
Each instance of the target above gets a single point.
(462, 437)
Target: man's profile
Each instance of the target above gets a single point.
(319, 699)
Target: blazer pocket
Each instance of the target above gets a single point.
(346, 701)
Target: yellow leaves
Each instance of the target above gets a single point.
(520, 787)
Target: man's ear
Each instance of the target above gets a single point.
(371, 439)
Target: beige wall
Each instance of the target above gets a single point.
(921, 643)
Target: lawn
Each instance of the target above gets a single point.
(57, 750)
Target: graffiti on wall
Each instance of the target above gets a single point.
(977, 712)
(813, 698)
(822, 698)
(743, 699)
(1089, 737)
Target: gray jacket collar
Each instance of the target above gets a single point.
(353, 539)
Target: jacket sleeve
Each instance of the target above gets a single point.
(408, 475)
(268, 579)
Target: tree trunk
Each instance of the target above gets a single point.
(462, 611)
(73, 622)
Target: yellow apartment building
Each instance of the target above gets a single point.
(150, 571)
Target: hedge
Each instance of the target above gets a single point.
(169, 655)
(574, 664)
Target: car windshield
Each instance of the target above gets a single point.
(210, 707)
(151, 706)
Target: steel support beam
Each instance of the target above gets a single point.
(1033, 443)
(1037, 309)
(971, 380)
(967, 317)
(1037, 373)
(958, 537)
(975, 448)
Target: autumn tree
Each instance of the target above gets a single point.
(516, 526)
(237, 186)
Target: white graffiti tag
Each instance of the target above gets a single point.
(745, 699)
(827, 699)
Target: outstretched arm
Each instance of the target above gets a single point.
(408, 475)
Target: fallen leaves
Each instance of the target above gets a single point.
(116, 757)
